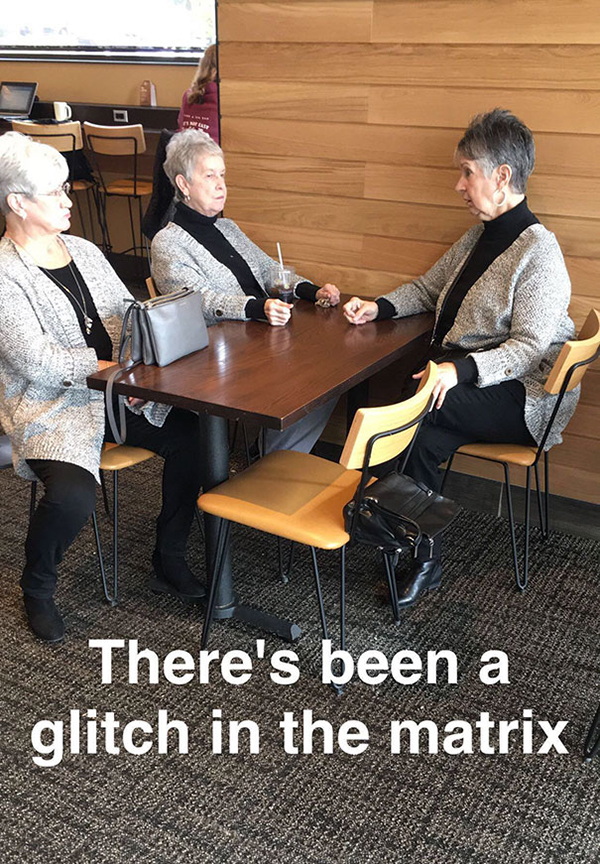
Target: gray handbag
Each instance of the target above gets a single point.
(156, 332)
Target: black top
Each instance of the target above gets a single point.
(203, 229)
(70, 278)
(498, 234)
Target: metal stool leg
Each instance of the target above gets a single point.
(511, 521)
(285, 571)
(109, 598)
(592, 743)
(391, 577)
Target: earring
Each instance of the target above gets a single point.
(502, 203)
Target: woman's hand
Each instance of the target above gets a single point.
(133, 400)
(328, 292)
(358, 311)
(277, 313)
(446, 380)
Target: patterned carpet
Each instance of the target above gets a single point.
(307, 808)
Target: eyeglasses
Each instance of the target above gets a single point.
(63, 189)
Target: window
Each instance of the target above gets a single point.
(117, 30)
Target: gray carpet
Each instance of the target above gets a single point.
(314, 809)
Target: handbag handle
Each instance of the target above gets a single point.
(119, 431)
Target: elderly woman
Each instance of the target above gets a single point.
(500, 296)
(212, 255)
(56, 292)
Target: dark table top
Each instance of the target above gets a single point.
(275, 375)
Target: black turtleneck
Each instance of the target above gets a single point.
(498, 234)
(204, 230)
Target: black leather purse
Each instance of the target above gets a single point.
(397, 513)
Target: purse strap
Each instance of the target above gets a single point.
(120, 431)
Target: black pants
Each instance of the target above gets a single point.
(469, 413)
(70, 495)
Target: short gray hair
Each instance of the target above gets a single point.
(183, 152)
(500, 138)
(28, 167)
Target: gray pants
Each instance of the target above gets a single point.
(301, 435)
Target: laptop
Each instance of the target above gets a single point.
(16, 99)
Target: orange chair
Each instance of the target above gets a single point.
(300, 497)
(566, 374)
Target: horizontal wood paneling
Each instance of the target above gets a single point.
(289, 100)
(545, 110)
(511, 66)
(296, 22)
(486, 21)
(301, 174)
(340, 121)
(564, 154)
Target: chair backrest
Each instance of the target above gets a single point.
(580, 350)
(115, 140)
(151, 287)
(371, 421)
(64, 137)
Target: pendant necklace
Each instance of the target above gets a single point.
(87, 321)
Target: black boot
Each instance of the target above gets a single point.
(175, 577)
(44, 618)
(425, 576)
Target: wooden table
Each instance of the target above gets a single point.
(274, 376)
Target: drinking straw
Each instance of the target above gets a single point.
(281, 265)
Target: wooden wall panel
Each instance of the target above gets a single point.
(340, 121)
(486, 21)
(527, 66)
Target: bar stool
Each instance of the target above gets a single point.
(67, 139)
(126, 141)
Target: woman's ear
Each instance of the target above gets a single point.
(504, 175)
(182, 185)
(13, 199)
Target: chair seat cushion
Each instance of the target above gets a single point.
(514, 454)
(115, 456)
(126, 187)
(293, 495)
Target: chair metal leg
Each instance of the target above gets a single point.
(343, 598)
(511, 522)
(319, 592)
(88, 198)
(222, 538)
(246, 445)
(391, 577)
(592, 743)
(285, 571)
(446, 472)
(109, 598)
(523, 584)
(105, 495)
(115, 535)
(547, 493)
(198, 516)
(32, 498)
(541, 513)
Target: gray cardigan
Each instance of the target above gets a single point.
(46, 407)
(179, 261)
(513, 320)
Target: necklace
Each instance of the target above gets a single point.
(87, 321)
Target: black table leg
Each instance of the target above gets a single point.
(214, 435)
